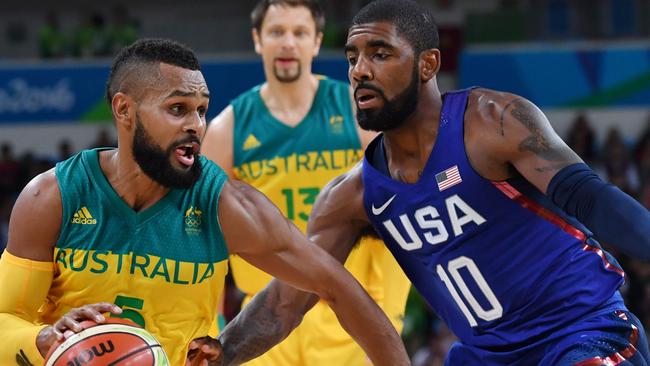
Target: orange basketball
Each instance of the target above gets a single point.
(118, 342)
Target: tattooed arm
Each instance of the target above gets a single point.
(509, 135)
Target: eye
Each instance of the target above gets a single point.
(202, 111)
(275, 32)
(352, 60)
(381, 56)
(177, 109)
(300, 33)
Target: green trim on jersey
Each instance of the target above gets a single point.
(182, 226)
(329, 125)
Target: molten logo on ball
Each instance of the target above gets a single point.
(87, 356)
(118, 342)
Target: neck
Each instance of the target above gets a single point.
(133, 186)
(290, 102)
(415, 138)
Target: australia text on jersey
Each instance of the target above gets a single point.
(307, 162)
(145, 265)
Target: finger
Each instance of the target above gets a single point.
(105, 307)
(89, 313)
(68, 333)
(68, 323)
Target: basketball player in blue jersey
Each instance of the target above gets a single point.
(149, 225)
(489, 213)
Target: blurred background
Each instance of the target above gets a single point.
(586, 63)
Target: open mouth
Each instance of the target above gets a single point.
(185, 153)
(366, 98)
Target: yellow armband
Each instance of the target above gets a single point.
(25, 284)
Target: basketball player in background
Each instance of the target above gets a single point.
(486, 209)
(144, 231)
(288, 138)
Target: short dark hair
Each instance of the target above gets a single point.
(413, 21)
(147, 52)
(259, 12)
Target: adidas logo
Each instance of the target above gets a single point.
(251, 142)
(83, 217)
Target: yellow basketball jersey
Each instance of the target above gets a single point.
(165, 266)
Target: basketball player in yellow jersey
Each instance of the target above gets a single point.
(288, 138)
(149, 226)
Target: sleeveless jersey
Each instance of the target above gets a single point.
(165, 266)
(497, 261)
(291, 164)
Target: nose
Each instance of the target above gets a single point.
(288, 41)
(195, 124)
(361, 70)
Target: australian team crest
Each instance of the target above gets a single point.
(193, 220)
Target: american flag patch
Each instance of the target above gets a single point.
(448, 178)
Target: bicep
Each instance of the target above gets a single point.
(532, 147)
(218, 142)
(36, 219)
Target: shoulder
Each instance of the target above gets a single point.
(36, 218)
(489, 105)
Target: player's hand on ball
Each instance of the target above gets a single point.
(204, 351)
(70, 323)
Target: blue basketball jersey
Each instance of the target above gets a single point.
(497, 261)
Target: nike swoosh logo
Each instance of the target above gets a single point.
(378, 210)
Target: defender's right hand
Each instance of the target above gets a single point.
(69, 323)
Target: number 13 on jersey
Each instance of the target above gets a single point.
(453, 268)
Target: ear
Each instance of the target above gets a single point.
(429, 63)
(257, 40)
(319, 41)
(122, 106)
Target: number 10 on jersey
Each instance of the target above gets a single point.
(453, 268)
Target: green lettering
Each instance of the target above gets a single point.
(83, 263)
(320, 161)
(272, 168)
(119, 262)
(252, 172)
(60, 258)
(96, 259)
(332, 155)
(196, 272)
(177, 274)
(302, 160)
(209, 271)
(162, 263)
(143, 266)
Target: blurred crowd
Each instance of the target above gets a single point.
(94, 36)
(625, 164)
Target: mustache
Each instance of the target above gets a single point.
(368, 87)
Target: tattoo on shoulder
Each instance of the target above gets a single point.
(538, 141)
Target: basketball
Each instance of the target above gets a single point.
(117, 342)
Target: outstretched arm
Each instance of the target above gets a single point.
(276, 246)
(532, 147)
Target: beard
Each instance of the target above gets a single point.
(156, 162)
(289, 76)
(394, 111)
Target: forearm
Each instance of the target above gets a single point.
(24, 285)
(613, 216)
(262, 324)
(362, 318)
(19, 341)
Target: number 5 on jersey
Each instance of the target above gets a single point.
(128, 304)
(453, 267)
